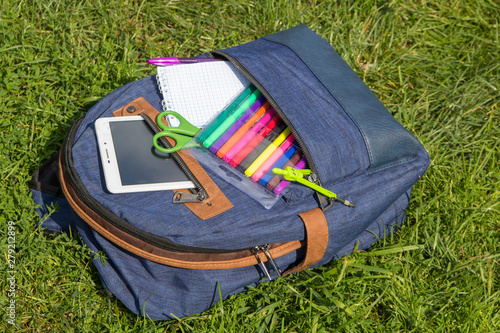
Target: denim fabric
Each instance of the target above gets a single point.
(336, 145)
(142, 209)
(63, 217)
(339, 151)
(388, 143)
(162, 292)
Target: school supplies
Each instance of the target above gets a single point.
(269, 162)
(245, 139)
(272, 130)
(182, 134)
(276, 179)
(253, 142)
(231, 118)
(237, 124)
(279, 164)
(267, 152)
(255, 136)
(285, 182)
(297, 175)
(223, 151)
(225, 113)
(200, 90)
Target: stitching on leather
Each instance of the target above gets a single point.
(235, 263)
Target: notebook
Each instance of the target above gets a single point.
(199, 91)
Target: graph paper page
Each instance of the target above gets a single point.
(199, 91)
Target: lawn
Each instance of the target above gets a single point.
(434, 64)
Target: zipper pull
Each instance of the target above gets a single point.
(185, 197)
(255, 252)
(297, 175)
(265, 248)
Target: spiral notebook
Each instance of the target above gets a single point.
(199, 91)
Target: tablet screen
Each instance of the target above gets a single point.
(138, 161)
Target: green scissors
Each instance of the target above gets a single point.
(182, 134)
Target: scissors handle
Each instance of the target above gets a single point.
(184, 127)
(182, 134)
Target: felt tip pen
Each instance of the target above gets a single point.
(267, 152)
(224, 150)
(170, 61)
(276, 179)
(279, 164)
(284, 183)
(236, 125)
(231, 119)
(269, 162)
(248, 137)
(225, 113)
(257, 144)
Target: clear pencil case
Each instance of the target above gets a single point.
(245, 142)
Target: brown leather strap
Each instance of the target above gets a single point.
(136, 107)
(237, 259)
(217, 202)
(229, 260)
(316, 239)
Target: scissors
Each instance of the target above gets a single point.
(182, 134)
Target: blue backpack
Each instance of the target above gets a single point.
(165, 259)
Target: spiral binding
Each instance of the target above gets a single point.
(165, 104)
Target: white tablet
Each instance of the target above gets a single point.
(130, 161)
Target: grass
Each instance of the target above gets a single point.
(434, 64)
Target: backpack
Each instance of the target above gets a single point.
(166, 260)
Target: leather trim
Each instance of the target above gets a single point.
(217, 203)
(136, 107)
(236, 259)
(316, 239)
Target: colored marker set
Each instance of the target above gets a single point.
(251, 137)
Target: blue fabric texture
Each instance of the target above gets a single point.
(353, 159)
(55, 213)
(387, 142)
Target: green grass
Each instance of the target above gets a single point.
(434, 64)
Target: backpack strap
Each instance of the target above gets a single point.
(316, 237)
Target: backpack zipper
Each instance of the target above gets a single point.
(108, 216)
(198, 194)
(69, 176)
(325, 202)
(265, 249)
